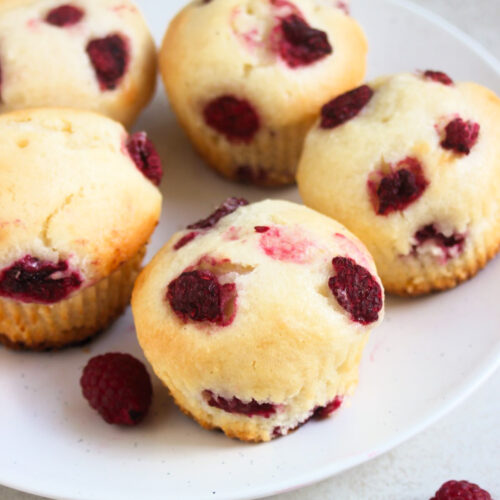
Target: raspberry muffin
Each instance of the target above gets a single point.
(247, 78)
(92, 54)
(411, 164)
(78, 203)
(256, 317)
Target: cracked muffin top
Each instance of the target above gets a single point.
(77, 194)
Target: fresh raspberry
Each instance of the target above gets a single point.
(118, 386)
(460, 135)
(344, 107)
(450, 245)
(232, 117)
(356, 290)
(302, 45)
(109, 57)
(228, 207)
(32, 280)
(145, 156)
(438, 76)
(460, 490)
(400, 188)
(186, 239)
(198, 296)
(235, 405)
(64, 16)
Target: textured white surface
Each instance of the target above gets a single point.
(465, 443)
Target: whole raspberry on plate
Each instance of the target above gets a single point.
(460, 490)
(118, 386)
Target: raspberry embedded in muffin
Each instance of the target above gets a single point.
(64, 16)
(233, 117)
(450, 246)
(199, 296)
(144, 155)
(356, 290)
(235, 405)
(397, 189)
(226, 208)
(460, 136)
(438, 76)
(109, 57)
(300, 44)
(345, 107)
(30, 279)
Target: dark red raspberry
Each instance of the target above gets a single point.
(186, 239)
(32, 280)
(356, 290)
(261, 229)
(64, 16)
(460, 135)
(235, 405)
(400, 188)
(322, 412)
(145, 156)
(450, 245)
(438, 76)
(460, 490)
(109, 57)
(198, 296)
(302, 45)
(118, 386)
(232, 117)
(228, 207)
(344, 107)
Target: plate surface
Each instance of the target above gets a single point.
(428, 355)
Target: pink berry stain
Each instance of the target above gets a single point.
(109, 57)
(356, 290)
(397, 189)
(186, 239)
(64, 16)
(343, 6)
(228, 207)
(235, 405)
(199, 296)
(32, 280)
(145, 156)
(348, 247)
(345, 107)
(460, 136)
(299, 44)
(451, 246)
(286, 244)
(233, 117)
(438, 76)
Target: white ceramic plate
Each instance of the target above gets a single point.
(428, 355)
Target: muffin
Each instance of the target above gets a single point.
(93, 54)
(256, 317)
(246, 78)
(411, 164)
(78, 203)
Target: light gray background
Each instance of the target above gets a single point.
(463, 445)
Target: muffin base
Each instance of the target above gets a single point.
(70, 321)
